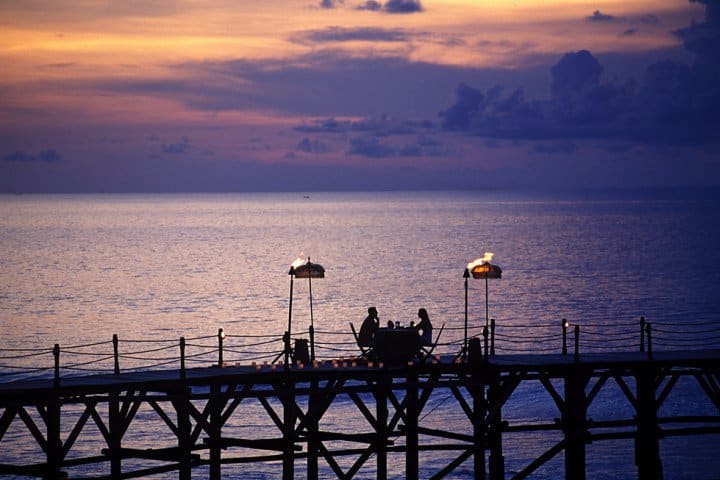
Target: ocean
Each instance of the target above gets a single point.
(76, 269)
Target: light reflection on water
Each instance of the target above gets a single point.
(76, 269)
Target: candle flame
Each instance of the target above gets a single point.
(480, 261)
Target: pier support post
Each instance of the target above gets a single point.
(479, 413)
(647, 441)
(289, 419)
(411, 425)
(496, 460)
(313, 446)
(182, 410)
(574, 419)
(54, 444)
(215, 433)
(382, 387)
(115, 421)
(476, 388)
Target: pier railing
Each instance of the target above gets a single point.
(562, 337)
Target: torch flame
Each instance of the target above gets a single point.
(480, 261)
(298, 261)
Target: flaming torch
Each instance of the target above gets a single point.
(480, 268)
(305, 269)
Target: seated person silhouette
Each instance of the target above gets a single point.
(424, 328)
(366, 337)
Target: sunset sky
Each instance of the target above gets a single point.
(156, 96)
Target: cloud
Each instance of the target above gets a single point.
(312, 146)
(50, 156)
(370, 147)
(469, 104)
(382, 126)
(20, 157)
(58, 66)
(370, 5)
(575, 72)
(180, 148)
(336, 34)
(600, 17)
(322, 83)
(329, 4)
(383, 147)
(648, 19)
(673, 104)
(629, 32)
(703, 38)
(403, 6)
(342, 34)
(555, 148)
(45, 156)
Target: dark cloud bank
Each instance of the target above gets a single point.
(673, 103)
(392, 6)
(45, 156)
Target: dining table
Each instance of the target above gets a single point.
(396, 346)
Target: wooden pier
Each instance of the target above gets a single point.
(198, 405)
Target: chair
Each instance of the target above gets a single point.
(366, 354)
(300, 353)
(426, 351)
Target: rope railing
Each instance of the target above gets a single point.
(132, 354)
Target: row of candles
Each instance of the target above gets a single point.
(337, 363)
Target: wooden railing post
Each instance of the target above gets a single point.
(565, 326)
(485, 341)
(288, 350)
(182, 358)
(492, 336)
(221, 337)
(116, 355)
(577, 343)
(56, 374)
(642, 334)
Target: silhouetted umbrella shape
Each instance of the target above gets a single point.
(309, 270)
(480, 268)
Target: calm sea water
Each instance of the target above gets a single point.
(77, 269)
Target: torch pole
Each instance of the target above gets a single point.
(466, 275)
(312, 323)
(487, 317)
(289, 329)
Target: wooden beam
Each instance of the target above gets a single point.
(540, 461)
